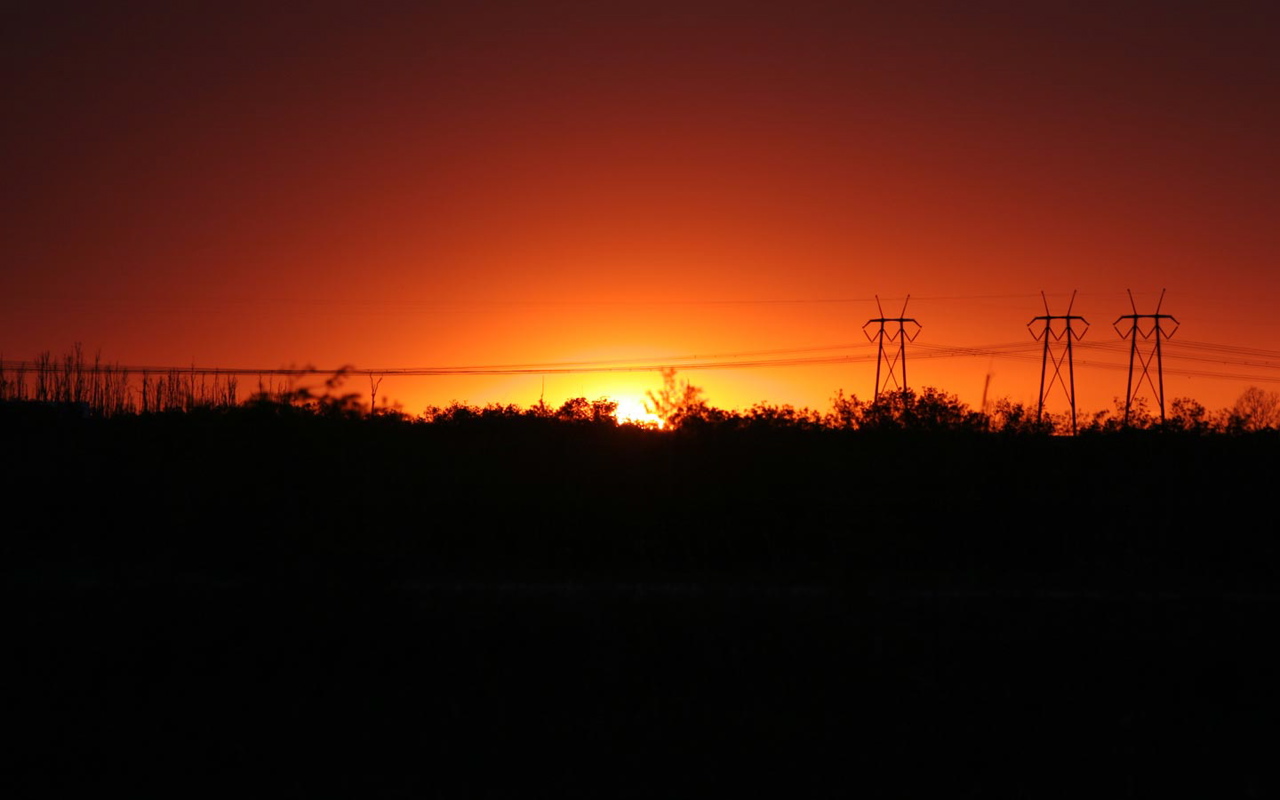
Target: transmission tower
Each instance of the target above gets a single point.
(1064, 335)
(1154, 334)
(885, 356)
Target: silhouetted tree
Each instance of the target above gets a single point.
(575, 409)
(1257, 409)
(846, 412)
(678, 402)
(327, 403)
(579, 409)
(1009, 417)
(1110, 421)
(604, 411)
(764, 415)
(1188, 416)
(930, 410)
(455, 412)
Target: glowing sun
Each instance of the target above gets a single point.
(632, 410)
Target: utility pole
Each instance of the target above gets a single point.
(1066, 335)
(892, 361)
(1155, 334)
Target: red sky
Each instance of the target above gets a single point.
(405, 185)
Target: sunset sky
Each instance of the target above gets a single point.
(266, 184)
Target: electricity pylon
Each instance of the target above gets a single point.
(1144, 358)
(1066, 335)
(891, 361)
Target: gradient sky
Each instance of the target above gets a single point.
(411, 184)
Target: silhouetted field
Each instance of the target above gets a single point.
(263, 602)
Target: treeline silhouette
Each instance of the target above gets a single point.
(566, 490)
(72, 384)
(905, 597)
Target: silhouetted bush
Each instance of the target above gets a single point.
(930, 410)
(1008, 417)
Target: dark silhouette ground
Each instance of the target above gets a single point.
(286, 604)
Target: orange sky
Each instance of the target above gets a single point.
(386, 186)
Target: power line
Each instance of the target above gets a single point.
(1229, 355)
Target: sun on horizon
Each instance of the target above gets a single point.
(632, 410)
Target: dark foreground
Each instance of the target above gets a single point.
(298, 611)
